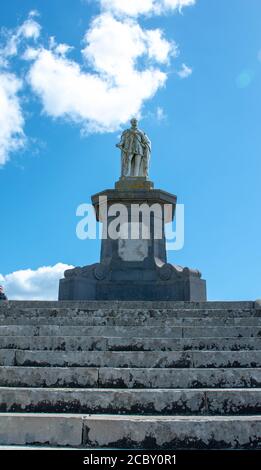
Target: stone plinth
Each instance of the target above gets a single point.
(133, 183)
(133, 268)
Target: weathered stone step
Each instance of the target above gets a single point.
(173, 432)
(7, 357)
(132, 331)
(133, 359)
(127, 315)
(186, 344)
(83, 377)
(155, 312)
(100, 343)
(178, 378)
(57, 343)
(92, 305)
(15, 376)
(135, 401)
(130, 321)
(144, 432)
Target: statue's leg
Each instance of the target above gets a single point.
(123, 169)
(137, 165)
(145, 166)
(132, 165)
(126, 165)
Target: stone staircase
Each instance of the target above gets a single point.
(166, 375)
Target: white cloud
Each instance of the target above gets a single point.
(160, 114)
(128, 42)
(60, 49)
(30, 53)
(135, 8)
(158, 47)
(185, 71)
(128, 7)
(175, 4)
(116, 89)
(116, 56)
(11, 118)
(12, 137)
(33, 13)
(63, 49)
(39, 284)
(29, 30)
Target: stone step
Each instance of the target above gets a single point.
(133, 359)
(135, 401)
(177, 378)
(91, 305)
(149, 313)
(132, 331)
(130, 315)
(144, 432)
(86, 377)
(61, 343)
(99, 343)
(173, 432)
(130, 321)
(186, 344)
(15, 376)
(7, 357)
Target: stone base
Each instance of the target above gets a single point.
(185, 286)
(133, 268)
(134, 183)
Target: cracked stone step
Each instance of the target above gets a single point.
(62, 343)
(149, 313)
(130, 331)
(136, 359)
(41, 429)
(83, 377)
(123, 305)
(135, 401)
(134, 315)
(146, 432)
(99, 343)
(197, 432)
(129, 320)
(178, 378)
(165, 344)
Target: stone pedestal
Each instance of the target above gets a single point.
(133, 268)
(131, 183)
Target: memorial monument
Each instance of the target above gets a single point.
(149, 375)
(133, 262)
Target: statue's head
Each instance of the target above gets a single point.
(134, 123)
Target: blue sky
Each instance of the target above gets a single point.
(200, 106)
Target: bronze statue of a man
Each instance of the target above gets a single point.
(135, 151)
